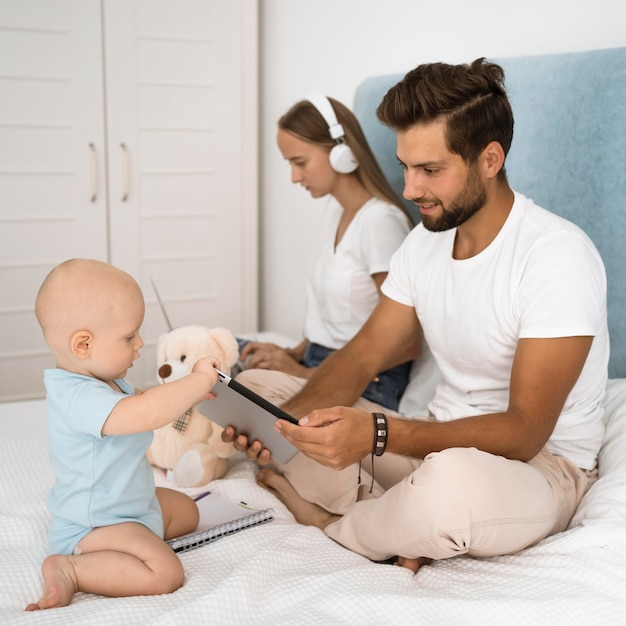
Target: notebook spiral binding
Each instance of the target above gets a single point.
(201, 538)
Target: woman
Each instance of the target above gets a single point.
(366, 222)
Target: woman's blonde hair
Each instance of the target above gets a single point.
(306, 122)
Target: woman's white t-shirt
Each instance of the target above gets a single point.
(341, 294)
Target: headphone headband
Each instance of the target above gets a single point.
(323, 105)
(341, 157)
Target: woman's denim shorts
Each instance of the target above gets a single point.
(386, 389)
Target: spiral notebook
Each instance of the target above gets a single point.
(219, 517)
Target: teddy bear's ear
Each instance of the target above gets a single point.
(161, 348)
(228, 343)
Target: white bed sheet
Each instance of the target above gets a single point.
(284, 573)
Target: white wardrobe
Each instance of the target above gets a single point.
(128, 133)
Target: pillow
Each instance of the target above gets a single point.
(606, 499)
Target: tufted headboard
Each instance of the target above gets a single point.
(568, 152)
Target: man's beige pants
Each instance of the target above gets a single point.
(458, 501)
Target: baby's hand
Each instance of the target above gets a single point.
(207, 365)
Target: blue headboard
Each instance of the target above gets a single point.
(568, 152)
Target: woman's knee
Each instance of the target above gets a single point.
(277, 387)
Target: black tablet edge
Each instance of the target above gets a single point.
(266, 404)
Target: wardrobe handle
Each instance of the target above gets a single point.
(93, 172)
(125, 172)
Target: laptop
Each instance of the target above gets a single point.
(250, 414)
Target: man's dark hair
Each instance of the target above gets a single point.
(470, 99)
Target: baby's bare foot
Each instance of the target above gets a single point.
(59, 583)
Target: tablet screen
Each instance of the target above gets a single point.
(250, 414)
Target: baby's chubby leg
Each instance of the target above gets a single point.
(180, 512)
(120, 560)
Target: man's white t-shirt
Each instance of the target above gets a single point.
(341, 294)
(541, 277)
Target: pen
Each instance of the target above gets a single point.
(201, 495)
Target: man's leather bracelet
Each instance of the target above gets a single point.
(381, 430)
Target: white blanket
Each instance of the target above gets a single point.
(285, 573)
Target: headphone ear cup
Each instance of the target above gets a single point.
(342, 159)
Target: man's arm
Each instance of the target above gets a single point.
(391, 335)
(543, 374)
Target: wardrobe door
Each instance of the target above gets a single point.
(181, 117)
(168, 192)
(52, 192)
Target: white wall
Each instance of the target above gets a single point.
(332, 45)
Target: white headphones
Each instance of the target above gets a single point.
(341, 157)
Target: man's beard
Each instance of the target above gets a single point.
(467, 203)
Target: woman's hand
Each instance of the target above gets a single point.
(269, 356)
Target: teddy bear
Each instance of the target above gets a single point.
(191, 447)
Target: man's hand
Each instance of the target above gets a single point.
(335, 437)
(254, 451)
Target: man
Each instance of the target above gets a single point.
(511, 300)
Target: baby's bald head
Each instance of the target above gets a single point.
(82, 294)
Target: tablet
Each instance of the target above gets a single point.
(251, 415)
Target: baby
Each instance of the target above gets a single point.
(108, 521)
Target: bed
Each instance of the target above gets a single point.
(285, 573)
